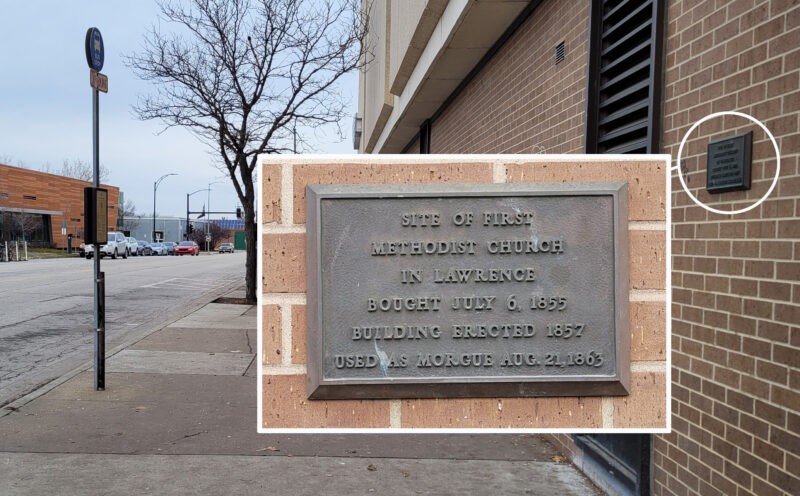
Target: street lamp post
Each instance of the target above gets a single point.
(155, 188)
(187, 209)
(208, 219)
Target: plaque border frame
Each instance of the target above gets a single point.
(317, 387)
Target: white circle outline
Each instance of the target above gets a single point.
(777, 162)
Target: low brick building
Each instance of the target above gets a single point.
(45, 208)
(609, 76)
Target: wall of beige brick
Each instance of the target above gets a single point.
(284, 358)
(736, 290)
(522, 101)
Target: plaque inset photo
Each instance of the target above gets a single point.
(439, 291)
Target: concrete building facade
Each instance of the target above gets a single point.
(610, 76)
(45, 208)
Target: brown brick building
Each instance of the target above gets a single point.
(39, 204)
(615, 76)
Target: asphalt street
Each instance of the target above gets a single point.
(46, 308)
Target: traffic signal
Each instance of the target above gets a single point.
(191, 229)
(238, 212)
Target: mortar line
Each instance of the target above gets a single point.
(283, 370)
(281, 229)
(499, 172)
(607, 409)
(283, 298)
(640, 225)
(649, 366)
(395, 414)
(647, 295)
(287, 194)
(286, 334)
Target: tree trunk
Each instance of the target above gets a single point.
(250, 231)
(252, 251)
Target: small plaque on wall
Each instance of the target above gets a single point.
(729, 164)
(467, 291)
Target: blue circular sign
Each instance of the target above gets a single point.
(95, 53)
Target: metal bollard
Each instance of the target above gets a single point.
(16, 250)
(25, 246)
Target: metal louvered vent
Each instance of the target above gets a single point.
(622, 112)
(560, 52)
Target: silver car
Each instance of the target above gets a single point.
(133, 247)
(170, 246)
(158, 248)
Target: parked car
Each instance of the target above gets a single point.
(170, 246)
(116, 246)
(226, 248)
(187, 248)
(158, 248)
(133, 247)
(144, 247)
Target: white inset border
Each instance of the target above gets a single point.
(288, 161)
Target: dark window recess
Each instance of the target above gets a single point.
(28, 197)
(560, 52)
(624, 460)
(624, 94)
(425, 137)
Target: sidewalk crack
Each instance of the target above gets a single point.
(249, 346)
(187, 436)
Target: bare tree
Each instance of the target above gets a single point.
(240, 74)
(78, 169)
(217, 232)
(6, 159)
(26, 224)
(128, 217)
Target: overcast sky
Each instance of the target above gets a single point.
(46, 105)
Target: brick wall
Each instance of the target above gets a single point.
(53, 193)
(283, 335)
(521, 101)
(736, 296)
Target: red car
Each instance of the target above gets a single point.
(187, 248)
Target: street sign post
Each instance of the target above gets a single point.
(95, 51)
(98, 81)
(95, 57)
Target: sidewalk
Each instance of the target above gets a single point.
(178, 416)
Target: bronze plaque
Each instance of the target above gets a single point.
(729, 164)
(458, 291)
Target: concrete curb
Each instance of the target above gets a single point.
(45, 388)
